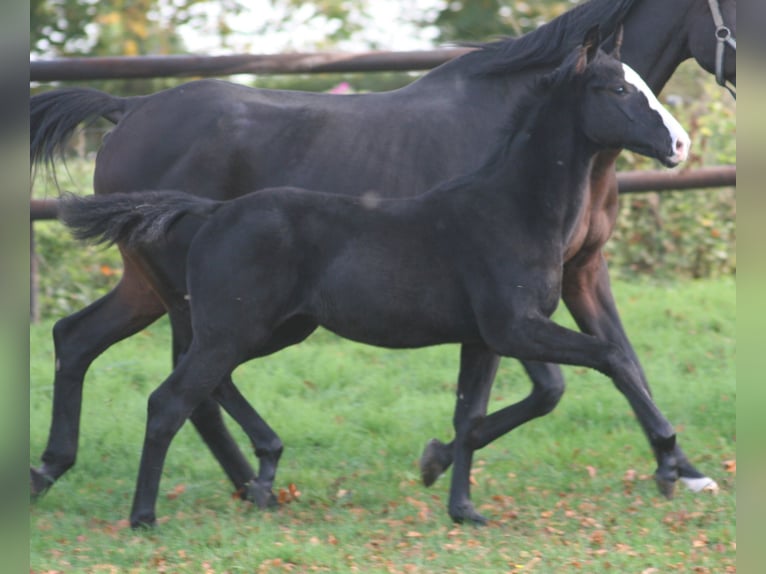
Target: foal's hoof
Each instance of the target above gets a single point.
(143, 523)
(466, 513)
(701, 484)
(433, 461)
(666, 486)
(39, 483)
(260, 495)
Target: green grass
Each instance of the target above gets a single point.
(570, 492)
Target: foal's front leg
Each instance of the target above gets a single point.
(540, 339)
(547, 389)
(478, 366)
(588, 296)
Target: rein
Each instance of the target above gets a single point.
(723, 36)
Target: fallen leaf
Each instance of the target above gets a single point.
(289, 494)
(730, 466)
(176, 492)
(597, 538)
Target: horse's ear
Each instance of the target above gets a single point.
(588, 49)
(617, 42)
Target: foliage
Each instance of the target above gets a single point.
(486, 20)
(116, 27)
(569, 492)
(689, 233)
(71, 275)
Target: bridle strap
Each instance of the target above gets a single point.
(723, 36)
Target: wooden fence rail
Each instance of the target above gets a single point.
(124, 67)
(629, 182)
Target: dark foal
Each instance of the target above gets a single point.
(220, 140)
(476, 261)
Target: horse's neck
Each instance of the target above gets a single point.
(552, 155)
(654, 45)
(545, 168)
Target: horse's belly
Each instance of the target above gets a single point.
(386, 317)
(397, 332)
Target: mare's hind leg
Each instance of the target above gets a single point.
(547, 389)
(83, 336)
(588, 296)
(266, 444)
(78, 340)
(209, 423)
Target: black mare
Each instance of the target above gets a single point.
(477, 260)
(210, 138)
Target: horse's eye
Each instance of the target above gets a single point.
(619, 90)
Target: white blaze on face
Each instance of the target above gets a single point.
(680, 138)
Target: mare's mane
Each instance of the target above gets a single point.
(550, 43)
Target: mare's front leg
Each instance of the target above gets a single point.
(78, 340)
(588, 296)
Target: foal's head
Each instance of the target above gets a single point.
(616, 108)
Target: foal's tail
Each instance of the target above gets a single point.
(54, 116)
(132, 219)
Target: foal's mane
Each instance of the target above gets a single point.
(550, 43)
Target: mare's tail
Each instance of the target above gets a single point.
(54, 116)
(132, 219)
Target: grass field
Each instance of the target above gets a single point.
(568, 493)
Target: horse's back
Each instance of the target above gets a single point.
(222, 140)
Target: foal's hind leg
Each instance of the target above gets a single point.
(78, 340)
(192, 382)
(588, 296)
(547, 389)
(206, 418)
(83, 336)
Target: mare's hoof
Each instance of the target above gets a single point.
(260, 495)
(467, 513)
(432, 462)
(39, 483)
